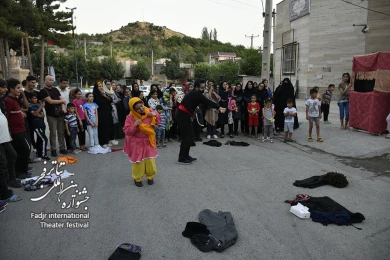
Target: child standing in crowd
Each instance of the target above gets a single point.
(37, 123)
(253, 110)
(71, 127)
(160, 131)
(91, 116)
(269, 115)
(313, 114)
(344, 87)
(289, 113)
(79, 104)
(325, 103)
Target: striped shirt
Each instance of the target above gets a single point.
(163, 122)
(71, 119)
(326, 97)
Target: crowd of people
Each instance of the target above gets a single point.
(111, 112)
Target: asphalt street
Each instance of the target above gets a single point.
(250, 182)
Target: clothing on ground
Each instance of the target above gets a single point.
(214, 143)
(234, 143)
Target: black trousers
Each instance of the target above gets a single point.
(196, 127)
(325, 109)
(22, 147)
(7, 168)
(187, 135)
(81, 132)
(223, 129)
(41, 143)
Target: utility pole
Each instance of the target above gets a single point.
(252, 36)
(267, 41)
(74, 46)
(111, 48)
(85, 49)
(152, 63)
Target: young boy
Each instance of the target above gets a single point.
(325, 103)
(313, 114)
(71, 127)
(160, 131)
(253, 110)
(289, 113)
(268, 115)
(37, 123)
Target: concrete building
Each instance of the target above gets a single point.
(315, 40)
(219, 57)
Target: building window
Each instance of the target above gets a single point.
(289, 59)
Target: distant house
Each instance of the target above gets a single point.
(220, 57)
(95, 43)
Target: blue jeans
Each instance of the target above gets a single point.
(160, 134)
(73, 136)
(344, 106)
(211, 129)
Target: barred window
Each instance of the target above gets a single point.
(289, 59)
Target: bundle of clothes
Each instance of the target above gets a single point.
(331, 178)
(326, 211)
(214, 231)
(214, 143)
(31, 184)
(126, 252)
(234, 143)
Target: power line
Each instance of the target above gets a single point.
(232, 6)
(365, 8)
(246, 4)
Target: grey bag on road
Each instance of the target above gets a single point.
(221, 227)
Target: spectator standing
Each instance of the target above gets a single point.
(343, 103)
(325, 102)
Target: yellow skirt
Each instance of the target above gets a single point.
(146, 167)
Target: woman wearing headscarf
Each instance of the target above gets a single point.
(104, 114)
(248, 92)
(225, 118)
(109, 88)
(283, 92)
(135, 90)
(238, 95)
(262, 95)
(140, 141)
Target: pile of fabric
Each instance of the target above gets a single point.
(331, 178)
(216, 231)
(30, 185)
(326, 211)
(97, 149)
(126, 252)
(214, 143)
(234, 143)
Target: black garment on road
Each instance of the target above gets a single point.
(234, 143)
(331, 178)
(214, 143)
(312, 182)
(190, 101)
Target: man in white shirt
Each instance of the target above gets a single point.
(64, 89)
(7, 156)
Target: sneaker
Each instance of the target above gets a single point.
(187, 161)
(109, 145)
(37, 159)
(76, 152)
(215, 136)
(14, 184)
(54, 154)
(63, 152)
(105, 146)
(264, 140)
(46, 158)
(150, 182)
(2, 209)
(271, 140)
(138, 183)
(114, 142)
(192, 159)
(208, 137)
(30, 169)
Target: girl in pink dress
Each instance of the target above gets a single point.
(140, 140)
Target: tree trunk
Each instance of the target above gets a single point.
(8, 75)
(29, 57)
(2, 59)
(42, 74)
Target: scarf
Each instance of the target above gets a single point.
(145, 128)
(109, 92)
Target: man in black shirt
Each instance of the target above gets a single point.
(185, 115)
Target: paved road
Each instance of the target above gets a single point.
(251, 182)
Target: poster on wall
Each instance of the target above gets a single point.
(299, 8)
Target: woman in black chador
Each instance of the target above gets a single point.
(282, 93)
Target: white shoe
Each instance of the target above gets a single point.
(109, 145)
(76, 152)
(105, 146)
(209, 136)
(215, 137)
(264, 140)
(114, 142)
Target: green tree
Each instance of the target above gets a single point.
(251, 64)
(201, 71)
(112, 70)
(172, 69)
(94, 71)
(215, 34)
(205, 34)
(141, 71)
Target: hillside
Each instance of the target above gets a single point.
(137, 40)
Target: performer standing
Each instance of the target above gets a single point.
(140, 140)
(185, 115)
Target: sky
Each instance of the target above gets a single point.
(233, 19)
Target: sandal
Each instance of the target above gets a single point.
(320, 140)
(164, 145)
(13, 198)
(347, 128)
(285, 141)
(310, 139)
(342, 128)
(290, 140)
